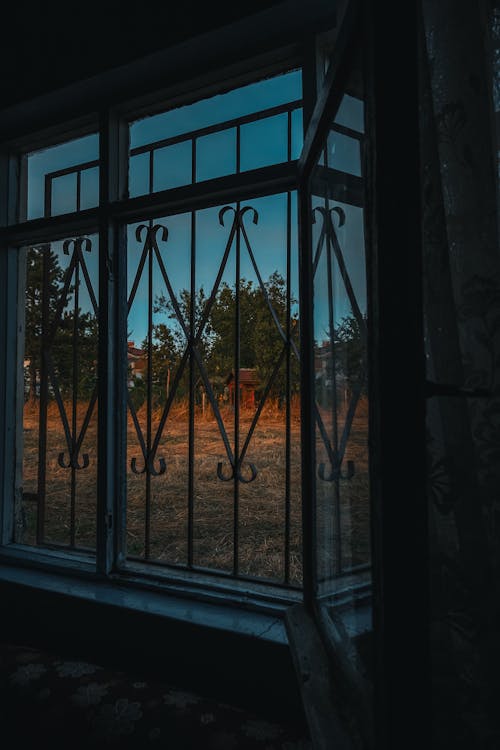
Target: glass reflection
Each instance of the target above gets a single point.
(342, 502)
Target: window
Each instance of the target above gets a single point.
(63, 178)
(247, 128)
(213, 479)
(200, 377)
(153, 342)
(58, 361)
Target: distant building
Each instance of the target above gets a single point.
(249, 383)
(325, 377)
(323, 362)
(137, 361)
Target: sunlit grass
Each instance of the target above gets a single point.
(261, 503)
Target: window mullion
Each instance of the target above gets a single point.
(9, 345)
(111, 392)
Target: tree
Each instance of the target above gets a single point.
(64, 339)
(350, 351)
(83, 343)
(169, 340)
(260, 342)
(267, 339)
(348, 359)
(165, 358)
(33, 307)
(223, 327)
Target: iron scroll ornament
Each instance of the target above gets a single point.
(73, 461)
(328, 238)
(239, 469)
(237, 227)
(236, 472)
(150, 248)
(149, 466)
(77, 264)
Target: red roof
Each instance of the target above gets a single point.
(133, 352)
(248, 376)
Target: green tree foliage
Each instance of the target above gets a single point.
(348, 359)
(350, 350)
(166, 353)
(66, 336)
(33, 308)
(260, 341)
(79, 342)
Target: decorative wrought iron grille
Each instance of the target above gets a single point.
(341, 404)
(57, 505)
(213, 455)
(192, 421)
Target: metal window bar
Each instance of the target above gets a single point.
(149, 447)
(193, 135)
(73, 435)
(335, 456)
(288, 375)
(240, 470)
(236, 122)
(345, 130)
(191, 447)
(334, 443)
(51, 176)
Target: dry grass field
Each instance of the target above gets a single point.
(262, 504)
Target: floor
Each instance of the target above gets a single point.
(55, 702)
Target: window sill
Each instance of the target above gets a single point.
(269, 627)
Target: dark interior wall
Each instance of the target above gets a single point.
(46, 45)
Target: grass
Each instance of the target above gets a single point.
(261, 504)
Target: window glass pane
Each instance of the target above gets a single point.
(172, 166)
(342, 483)
(57, 481)
(213, 124)
(139, 174)
(351, 113)
(89, 188)
(48, 165)
(297, 132)
(63, 194)
(264, 142)
(213, 467)
(242, 101)
(343, 153)
(216, 154)
(158, 385)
